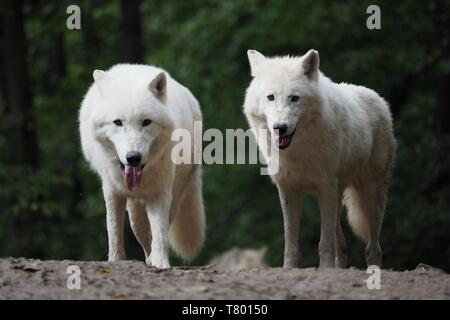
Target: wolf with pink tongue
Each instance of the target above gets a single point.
(126, 121)
(335, 141)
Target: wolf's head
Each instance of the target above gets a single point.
(131, 121)
(283, 93)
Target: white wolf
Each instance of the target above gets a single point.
(237, 259)
(126, 121)
(335, 141)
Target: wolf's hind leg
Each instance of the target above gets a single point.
(375, 213)
(140, 225)
(341, 246)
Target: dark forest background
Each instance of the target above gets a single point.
(51, 206)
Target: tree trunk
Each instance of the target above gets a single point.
(18, 87)
(443, 104)
(3, 103)
(132, 48)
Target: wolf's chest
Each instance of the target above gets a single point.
(303, 173)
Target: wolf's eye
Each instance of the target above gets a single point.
(118, 122)
(271, 97)
(146, 122)
(294, 98)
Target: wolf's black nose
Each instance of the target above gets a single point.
(281, 127)
(134, 158)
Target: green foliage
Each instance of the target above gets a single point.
(57, 211)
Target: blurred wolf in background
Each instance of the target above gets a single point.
(237, 259)
(335, 141)
(126, 121)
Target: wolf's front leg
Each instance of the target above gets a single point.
(290, 205)
(158, 214)
(328, 202)
(115, 214)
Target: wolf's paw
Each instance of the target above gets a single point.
(341, 258)
(113, 257)
(373, 255)
(291, 261)
(327, 261)
(341, 262)
(158, 261)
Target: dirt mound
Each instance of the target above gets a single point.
(35, 279)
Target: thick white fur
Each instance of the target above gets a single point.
(169, 199)
(342, 151)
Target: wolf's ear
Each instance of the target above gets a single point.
(256, 59)
(310, 63)
(159, 86)
(99, 77)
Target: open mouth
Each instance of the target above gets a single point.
(131, 176)
(283, 141)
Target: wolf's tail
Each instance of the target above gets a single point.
(353, 200)
(187, 230)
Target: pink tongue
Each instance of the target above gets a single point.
(132, 177)
(283, 141)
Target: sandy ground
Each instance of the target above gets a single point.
(35, 279)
